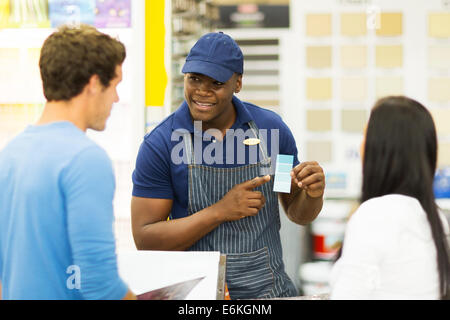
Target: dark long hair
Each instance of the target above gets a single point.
(400, 157)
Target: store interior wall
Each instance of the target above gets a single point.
(419, 77)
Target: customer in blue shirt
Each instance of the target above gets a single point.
(57, 186)
(202, 179)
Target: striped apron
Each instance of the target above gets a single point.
(254, 267)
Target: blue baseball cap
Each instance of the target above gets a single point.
(215, 55)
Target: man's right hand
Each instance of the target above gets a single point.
(242, 201)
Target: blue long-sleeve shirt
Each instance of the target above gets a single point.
(56, 217)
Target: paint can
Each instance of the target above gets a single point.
(328, 229)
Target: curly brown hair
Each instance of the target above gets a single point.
(72, 55)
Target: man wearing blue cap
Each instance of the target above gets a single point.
(198, 187)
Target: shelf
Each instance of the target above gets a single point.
(187, 26)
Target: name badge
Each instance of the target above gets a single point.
(251, 141)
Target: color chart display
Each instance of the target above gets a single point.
(355, 52)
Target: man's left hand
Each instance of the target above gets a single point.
(309, 176)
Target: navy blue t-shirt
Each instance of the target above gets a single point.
(161, 172)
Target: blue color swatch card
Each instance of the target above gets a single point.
(283, 169)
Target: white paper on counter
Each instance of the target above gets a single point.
(148, 270)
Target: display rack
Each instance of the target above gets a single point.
(190, 20)
(261, 81)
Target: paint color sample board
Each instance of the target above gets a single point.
(351, 54)
(283, 169)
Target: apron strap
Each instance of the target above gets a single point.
(263, 143)
(188, 147)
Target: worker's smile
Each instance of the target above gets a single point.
(203, 105)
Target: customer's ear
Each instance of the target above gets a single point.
(94, 85)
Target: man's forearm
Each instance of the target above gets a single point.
(301, 208)
(178, 234)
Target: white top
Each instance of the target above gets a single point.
(388, 253)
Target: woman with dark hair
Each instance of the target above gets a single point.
(395, 244)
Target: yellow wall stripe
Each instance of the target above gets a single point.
(155, 72)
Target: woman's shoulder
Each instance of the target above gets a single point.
(391, 202)
(386, 209)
